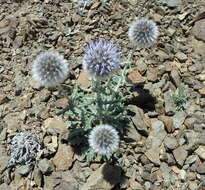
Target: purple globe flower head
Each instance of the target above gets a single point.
(101, 58)
(50, 68)
(104, 139)
(143, 32)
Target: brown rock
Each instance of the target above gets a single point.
(135, 77)
(202, 91)
(141, 66)
(104, 178)
(95, 5)
(25, 101)
(12, 121)
(57, 124)
(76, 18)
(61, 103)
(167, 122)
(201, 77)
(83, 80)
(198, 46)
(135, 185)
(19, 181)
(152, 74)
(3, 99)
(180, 155)
(63, 159)
(52, 146)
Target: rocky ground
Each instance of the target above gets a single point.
(164, 147)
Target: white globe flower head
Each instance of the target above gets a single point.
(143, 32)
(50, 69)
(24, 148)
(104, 139)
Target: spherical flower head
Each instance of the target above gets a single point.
(101, 59)
(104, 139)
(24, 147)
(143, 32)
(50, 69)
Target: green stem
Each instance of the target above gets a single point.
(98, 99)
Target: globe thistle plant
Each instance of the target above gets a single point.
(101, 58)
(143, 32)
(50, 69)
(24, 147)
(104, 139)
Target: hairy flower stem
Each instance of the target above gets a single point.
(98, 98)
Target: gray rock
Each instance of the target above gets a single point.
(180, 154)
(3, 162)
(45, 166)
(38, 177)
(132, 134)
(172, 3)
(189, 122)
(5, 186)
(3, 134)
(68, 177)
(192, 139)
(64, 186)
(191, 159)
(202, 179)
(171, 161)
(157, 134)
(165, 171)
(34, 84)
(104, 178)
(182, 175)
(179, 119)
(201, 168)
(169, 103)
(199, 30)
(24, 170)
(20, 81)
(175, 77)
(170, 142)
(193, 185)
(139, 120)
(191, 176)
(145, 175)
(52, 181)
(153, 155)
(181, 56)
(80, 173)
(147, 185)
(201, 152)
